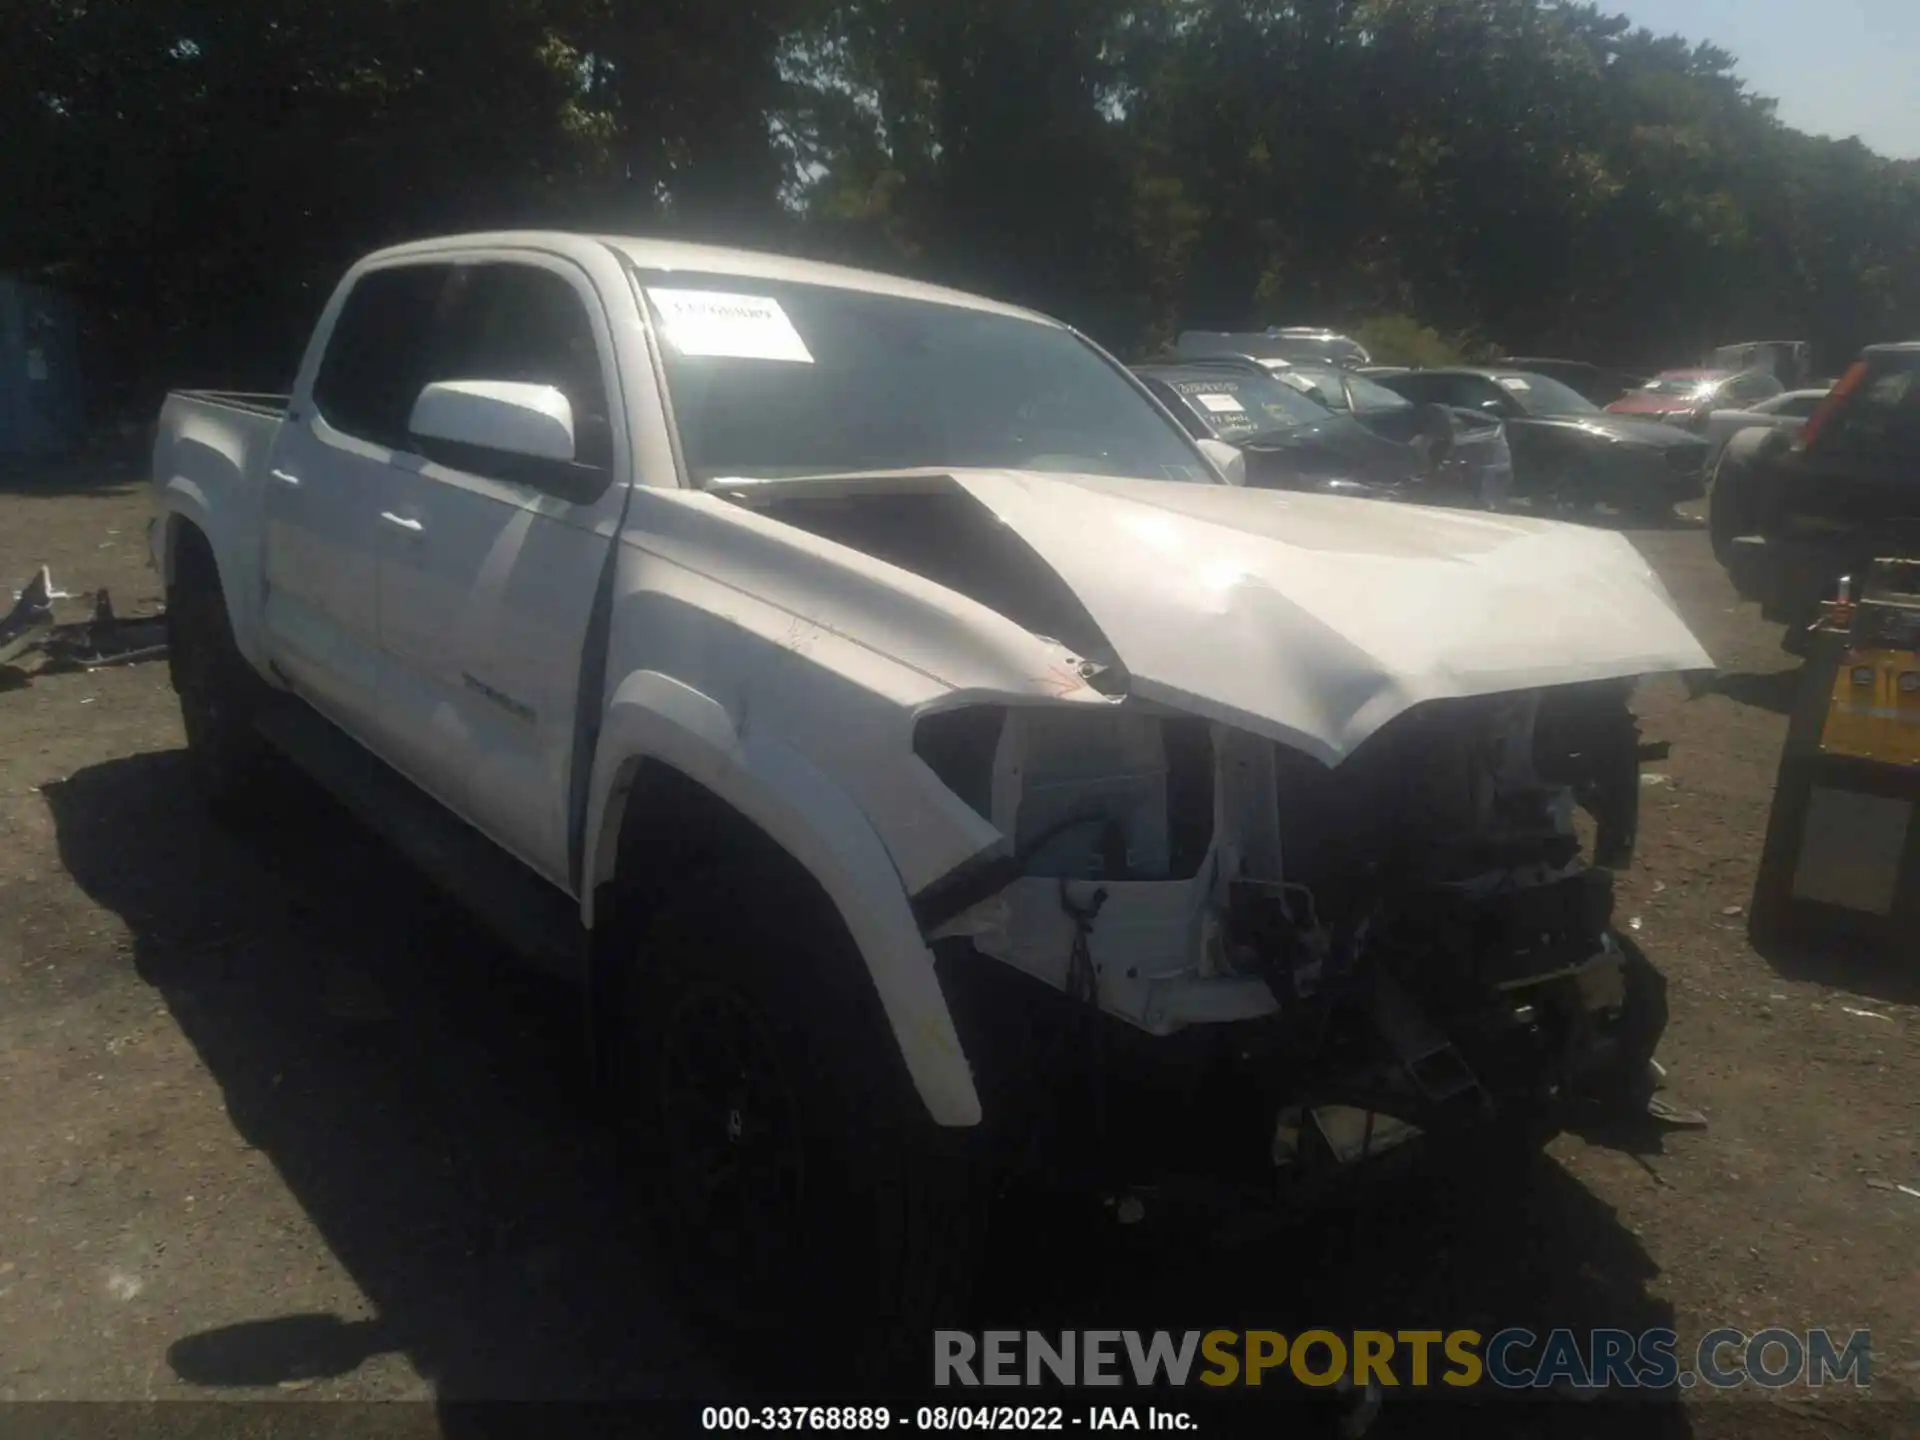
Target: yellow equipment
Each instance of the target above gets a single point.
(1874, 712)
(1842, 855)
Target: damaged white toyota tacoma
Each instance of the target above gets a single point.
(930, 762)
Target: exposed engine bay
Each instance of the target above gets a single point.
(1308, 882)
(1409, 940)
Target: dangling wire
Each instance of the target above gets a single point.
(1083, 982)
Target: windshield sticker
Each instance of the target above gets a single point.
(1514, 382)
(1298, 382)
(1220, 404)
(736, 327)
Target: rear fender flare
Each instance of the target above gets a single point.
(181, 502)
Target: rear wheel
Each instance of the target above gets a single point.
(793, 1179)
(220, 694)
(1726, 511)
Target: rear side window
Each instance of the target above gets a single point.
(376, 360)
(1466, 391)
(1414, 387)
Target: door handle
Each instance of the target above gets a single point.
(285, 479)
(400, 522)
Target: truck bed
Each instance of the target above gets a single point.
(251, 402)
(212, 449)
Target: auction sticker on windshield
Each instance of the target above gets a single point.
(1514, 382)
(711, 323)
(1220, 404)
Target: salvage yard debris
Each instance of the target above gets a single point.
(31, 619)
(1865, 1014)
(101, 640)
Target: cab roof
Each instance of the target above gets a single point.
(645, 253)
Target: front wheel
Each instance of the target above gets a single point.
(785, 1158)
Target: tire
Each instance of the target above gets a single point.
(1734, 503)
(220, 695)
(1724, 518)
(795, 1186)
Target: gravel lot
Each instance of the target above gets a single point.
(279, 1124)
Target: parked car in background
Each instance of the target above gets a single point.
(1795, 509)
(1568, 453)
(1350, 392)
(1784, 411)
(1293, 440)
(1788, 361)
(1479, 451)
(1598, 383)
(1341, 349)
(1278, 343)
(1687, 397)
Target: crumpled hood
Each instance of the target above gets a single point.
(1314, 620)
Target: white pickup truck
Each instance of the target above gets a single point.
(928, 760)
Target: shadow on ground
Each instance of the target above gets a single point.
(427, 1104)
(1775, 690)
(1880, 971)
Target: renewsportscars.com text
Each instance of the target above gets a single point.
(1511, 1359)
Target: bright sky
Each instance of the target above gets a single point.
(1837, 67)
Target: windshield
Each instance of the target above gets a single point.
(1236, 407)
(1343, 390)
(1370, 397)
(1543, 395)
(776, 379)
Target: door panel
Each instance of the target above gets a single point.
(487, 583)
(484, 612)
(328, 469)
(321, 578)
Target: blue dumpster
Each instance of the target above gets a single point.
(40, 410)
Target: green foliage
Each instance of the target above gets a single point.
(1534, 170)
(1403, 340)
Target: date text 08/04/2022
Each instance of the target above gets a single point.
(944, 1417)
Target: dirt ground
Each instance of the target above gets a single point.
(276, 1123)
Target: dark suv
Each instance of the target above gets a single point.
(1793, 510)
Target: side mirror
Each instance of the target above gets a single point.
(1227, 459)
(505, 417)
